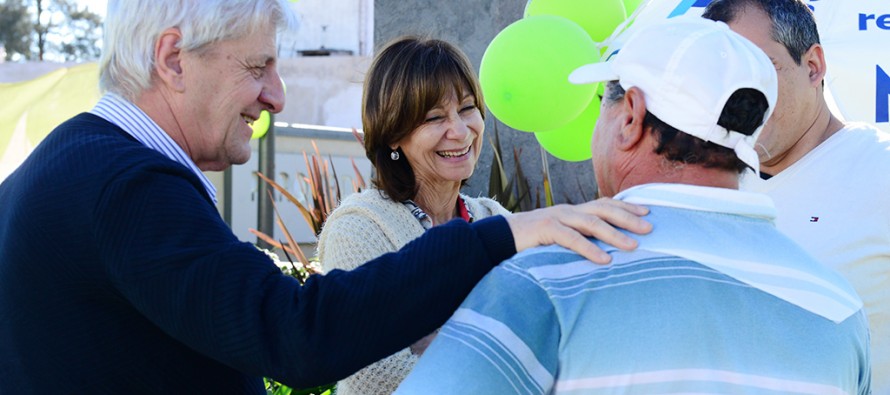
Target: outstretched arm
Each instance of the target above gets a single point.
(178, 264)
(568, 225)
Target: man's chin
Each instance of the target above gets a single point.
(240, 155)
(240, 160)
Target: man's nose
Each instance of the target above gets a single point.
(273, 92)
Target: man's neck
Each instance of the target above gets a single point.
(679, 173)
(825, 126)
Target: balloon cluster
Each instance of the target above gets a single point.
(525, 69)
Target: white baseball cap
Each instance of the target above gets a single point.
(687, 68)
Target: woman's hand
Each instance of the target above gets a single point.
(567, 225)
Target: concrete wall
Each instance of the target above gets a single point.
(323, 90)
(471, 25)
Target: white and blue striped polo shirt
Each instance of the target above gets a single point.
(137, 123)
(714, 301)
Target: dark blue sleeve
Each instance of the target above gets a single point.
(171, 256)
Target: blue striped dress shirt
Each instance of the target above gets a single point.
(714, 301)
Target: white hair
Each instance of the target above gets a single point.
(132, 28)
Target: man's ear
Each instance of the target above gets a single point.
(633, 112)
(814, 60)
(168, 59)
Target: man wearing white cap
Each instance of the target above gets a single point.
(714, 300)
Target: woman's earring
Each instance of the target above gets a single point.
(394, 155)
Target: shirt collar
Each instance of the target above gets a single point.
(787, 272)
(138, 124)
(693, 197)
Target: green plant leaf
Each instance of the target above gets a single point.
(500, 188)
(548, 193)
(523, 191)
(271, 241)
(358, 185)
(290, 239)
(303, 210)
(336, 198)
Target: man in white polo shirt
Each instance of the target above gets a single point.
(828, 179)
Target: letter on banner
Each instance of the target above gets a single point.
(882, 95)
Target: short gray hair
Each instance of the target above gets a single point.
(132, 27)
(794, 25)
(743, 113)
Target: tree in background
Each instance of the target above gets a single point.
(85, 27)
(57, 30)
(15, 28)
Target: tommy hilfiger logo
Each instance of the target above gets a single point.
(814, 219)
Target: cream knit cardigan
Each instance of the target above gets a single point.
(365, 226)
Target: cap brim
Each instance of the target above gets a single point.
(592, 73)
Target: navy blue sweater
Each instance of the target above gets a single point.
(117, 275)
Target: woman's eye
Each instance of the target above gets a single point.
(434, 118)
(468, 108)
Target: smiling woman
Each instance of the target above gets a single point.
(423, 118)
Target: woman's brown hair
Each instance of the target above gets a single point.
(407, 78)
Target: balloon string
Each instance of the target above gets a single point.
(621, 27)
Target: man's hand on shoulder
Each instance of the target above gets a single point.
(567, 225)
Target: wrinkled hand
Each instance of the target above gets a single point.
(567, 225)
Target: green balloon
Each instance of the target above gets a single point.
(261, 125)
(572, 141)
(599, 18)
(525, 73)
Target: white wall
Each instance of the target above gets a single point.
(331, 24)
(323, 90)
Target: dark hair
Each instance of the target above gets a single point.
(743, 112)
(407, 78)
(794, 25)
